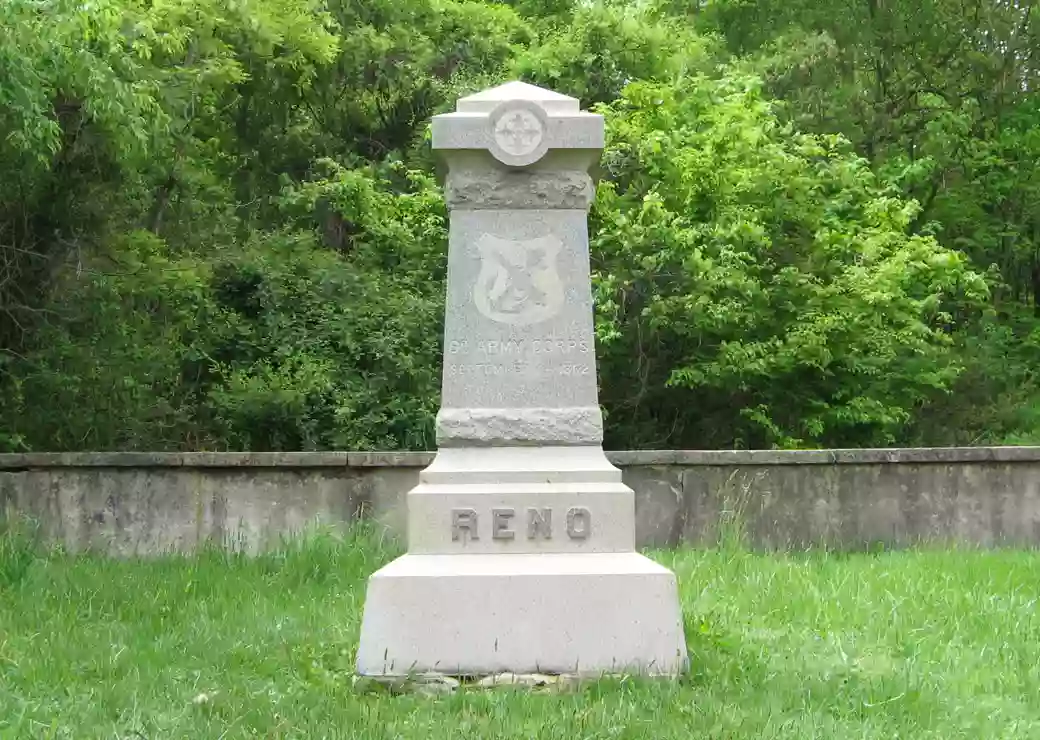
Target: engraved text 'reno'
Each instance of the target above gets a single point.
(518, 282)
(465, 525)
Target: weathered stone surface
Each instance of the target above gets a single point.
(422, 684)
(565, 126)
(523, 426)
(151, 511)
(388, 459)
(955, 456)
(518, 327)
(659, 506)
(530, 680)
(19, 461)
(854, 506)
(547, 540)
(439, 684)
(519, 190)
(382, 493)
(484, 614)
(486, 101)
(828, 457)
(992, 498)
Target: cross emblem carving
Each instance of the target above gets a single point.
(518, 132)
(521, 131)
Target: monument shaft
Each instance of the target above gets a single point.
(520, 528)
(518, 330)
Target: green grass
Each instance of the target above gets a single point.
(929, 644)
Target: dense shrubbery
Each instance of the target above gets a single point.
(219, 226)
(763, 277)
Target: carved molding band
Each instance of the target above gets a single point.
(579, 425)
(503, 189)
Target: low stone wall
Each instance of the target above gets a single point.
(145, 503)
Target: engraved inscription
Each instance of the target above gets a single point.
(464, 525)
(539, 519)
(500, 347)
(518, 282)
(500, 524)
(504, 356)
(546, 346)
(489, 369)
(519, 132)
(539, 523)
(554, 346)
(579, 523)
(571, 369)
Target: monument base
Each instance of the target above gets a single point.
(473, 615)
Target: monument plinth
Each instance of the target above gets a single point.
(521, 553)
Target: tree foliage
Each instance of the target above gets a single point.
(763, 277)
(942, 98)
(220, 228)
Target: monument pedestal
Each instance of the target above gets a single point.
(520, 500)
(521, 552)
(521, 559)
(462, 615)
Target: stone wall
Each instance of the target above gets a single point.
(146, 503)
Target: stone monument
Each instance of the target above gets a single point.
(521, 553)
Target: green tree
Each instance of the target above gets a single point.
(102, 107)
(939, 95)
(602, 46)
(758, 286)
(275, 343)
(219, 227)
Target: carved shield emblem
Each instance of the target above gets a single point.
(518, 282)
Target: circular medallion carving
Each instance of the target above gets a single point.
(518, 133)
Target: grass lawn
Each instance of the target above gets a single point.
(929, 644)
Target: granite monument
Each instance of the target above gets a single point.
(521, 553)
